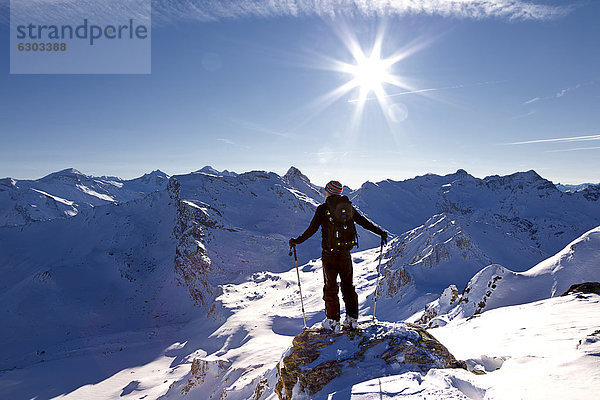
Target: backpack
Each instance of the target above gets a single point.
(341, 230)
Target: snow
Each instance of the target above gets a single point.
(93, 193)
(540, 342)
(55, 198)
(435, 385)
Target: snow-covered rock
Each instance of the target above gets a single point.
(320, 362)
(424, 261)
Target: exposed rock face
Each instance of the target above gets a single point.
(431, 253)
(587, 287)
(191, 261)
(448, 300)
(435, 255)
(205, 371)
(319, 358)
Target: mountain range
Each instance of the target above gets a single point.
(90, 263)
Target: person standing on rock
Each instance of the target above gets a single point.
(336, 217)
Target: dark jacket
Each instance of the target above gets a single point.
(320, 220)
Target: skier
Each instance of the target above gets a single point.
(336, 218)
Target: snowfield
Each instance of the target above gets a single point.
(549, 349)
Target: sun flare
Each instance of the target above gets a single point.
(370, 74)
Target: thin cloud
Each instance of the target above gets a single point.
(560, 93)
(574, 149)
(474, 9)
(231, 142)
(527, 114)
(532, 100)
(559, 140)
(259, 128)
(202, 10)
(418, 91)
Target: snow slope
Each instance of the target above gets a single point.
(64, 193)
(548, 349)
(104, 273)
(495, 286)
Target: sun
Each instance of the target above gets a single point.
(372, 74)
(369, 74)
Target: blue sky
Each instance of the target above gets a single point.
(241, 92)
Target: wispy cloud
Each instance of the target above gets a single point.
(418, 91)
(476, 9)
(532, 100)
(231, 142)
(560, 93)
(260, 128)
(527, 114)
(574, 149)
(559, 140)
(202, 10)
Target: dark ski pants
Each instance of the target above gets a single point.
(334, 265)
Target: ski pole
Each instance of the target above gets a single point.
(299, 286)
(377, 282)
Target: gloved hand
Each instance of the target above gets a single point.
(384, 237)
(292, 242)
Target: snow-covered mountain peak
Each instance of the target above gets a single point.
(68, 173)
(294, 173)
(300, 182)
(529, 179)
(8, 182)
(212, 171)
(156, 173)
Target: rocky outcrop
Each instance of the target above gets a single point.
(191, 263)
(586, 287)
(449, 299)
(205, 371)
(436, 254)
(320, 359)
